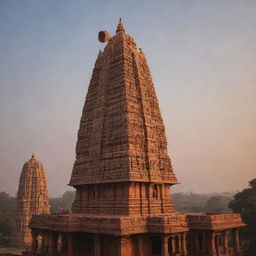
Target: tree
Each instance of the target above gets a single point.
(7, 209)
(192, 202)
(6, 220)
(245, 203)
(62, 203)
(218, 204)
(7, 202)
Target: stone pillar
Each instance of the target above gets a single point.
(55, 243)
(164, 239)
(63, 248)
(42, 248)
(173, 244)
(140, 245)
(183, 244)
(179, 243)
(196, 241)
(97, 245)
(60, 242)
(45, 241)
(212, 248)
(124, 247)
(34, 246)
(225, 241)
(70, 246)
(204, 241)
(236, 239)
(52, 244)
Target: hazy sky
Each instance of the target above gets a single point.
(202, 55)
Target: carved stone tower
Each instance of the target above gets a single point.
(122, 174)
(121, 148)
(32, 198)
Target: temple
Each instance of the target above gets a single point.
(32, 198)
(123, 174)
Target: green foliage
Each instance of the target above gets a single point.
(192, 202)
(6, 220)
(7, 209)
(218, 204)
(7, 202)
(245, 203)
(189, 202)
(62, 203)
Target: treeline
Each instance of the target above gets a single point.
(194, 202)
(7, 206)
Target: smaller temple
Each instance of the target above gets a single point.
(32, 198)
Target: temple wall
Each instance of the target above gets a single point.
(134, 198)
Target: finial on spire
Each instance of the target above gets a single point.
(33, 157)
(120, 26)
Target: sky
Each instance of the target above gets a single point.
(202, 56)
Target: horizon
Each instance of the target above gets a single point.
(201, 57)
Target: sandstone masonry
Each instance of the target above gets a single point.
(122, 174)
(32, 198)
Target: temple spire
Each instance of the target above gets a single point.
(120, 26)
(121, 80)
(32, 198)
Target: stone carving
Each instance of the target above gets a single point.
(122, 174)
(32, 198)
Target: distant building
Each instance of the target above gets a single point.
(32, 198)
(122, 174)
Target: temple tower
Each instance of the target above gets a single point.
(121, 147)
(32, 198)
(122, 174)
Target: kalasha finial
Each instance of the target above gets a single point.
(120, 26)
(33, 157)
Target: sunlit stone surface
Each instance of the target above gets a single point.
(32, 198)
(122, 174)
